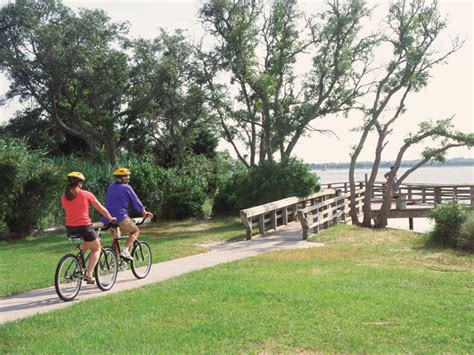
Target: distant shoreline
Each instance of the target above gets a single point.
(458, 162)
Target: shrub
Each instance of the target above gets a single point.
(466, 234)
(448, 220)
(28, 187)
(148, 180)
(231, 175)
(160, 190)
(184, 195)
(269, 181)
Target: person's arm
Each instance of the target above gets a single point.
(146, 214)
(103, 211)
(138, 206)
(135, 201)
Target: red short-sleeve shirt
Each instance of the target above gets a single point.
(77, 210)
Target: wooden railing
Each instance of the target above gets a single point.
(332, 211)
(332, 205)
(343, 186)
(418, 193)
(274, 214)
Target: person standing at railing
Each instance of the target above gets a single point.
(119, 196)
(391, 177)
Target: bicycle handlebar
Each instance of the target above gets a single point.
(115, 224)
(142, 221)
(109, 225)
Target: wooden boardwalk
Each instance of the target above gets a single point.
(331, 205)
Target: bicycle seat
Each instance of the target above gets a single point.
(74, 238)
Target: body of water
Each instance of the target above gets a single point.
(427, 175)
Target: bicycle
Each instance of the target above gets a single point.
(141, 253)
(71, 269)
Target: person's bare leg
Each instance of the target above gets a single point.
(94, 247)
(115, 235)
(131, 238)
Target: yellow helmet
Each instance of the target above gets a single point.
(121, 172)
(76, 174)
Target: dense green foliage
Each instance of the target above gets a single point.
(30, 192)
(29, 183)
(94, 91)
(466, 234)
(448, 221)
(269, 181)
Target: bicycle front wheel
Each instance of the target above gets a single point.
(106, 269)
(68, 277)
(141, 263)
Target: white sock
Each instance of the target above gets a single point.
(125, 250)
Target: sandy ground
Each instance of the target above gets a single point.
(420, 225)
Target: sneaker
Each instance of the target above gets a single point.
(89, 280)
(126, 255)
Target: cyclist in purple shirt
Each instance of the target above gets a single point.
(119, 196)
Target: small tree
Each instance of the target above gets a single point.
(413, 29)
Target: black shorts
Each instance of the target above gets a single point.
(85, 232)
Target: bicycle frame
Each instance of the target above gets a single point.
(116, 240)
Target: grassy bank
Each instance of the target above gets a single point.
(30, 263)
(364, 291)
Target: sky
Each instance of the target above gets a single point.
(449, 92)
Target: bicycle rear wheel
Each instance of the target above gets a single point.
(141, 263)
(106, 269)
(68, 277)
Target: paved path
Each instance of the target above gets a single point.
(44, 300)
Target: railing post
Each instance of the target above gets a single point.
(336, 206)
(471, 192)
(274, 220)
(284, 216)
(247, 225)
(409, 193)
(423, 195)
(328, 217)
(437, 195)
(304, 224)
(261, 224)
(317, 227)
(344, 210)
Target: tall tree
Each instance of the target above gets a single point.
(66, 63)
(412, 30)
(264, 104)
(171, 115)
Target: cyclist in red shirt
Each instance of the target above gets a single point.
(76, 202)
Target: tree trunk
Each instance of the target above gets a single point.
(84, 137)
(382, 216)
(353, 211)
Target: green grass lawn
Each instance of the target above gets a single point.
(30, 263)
(363, 291)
